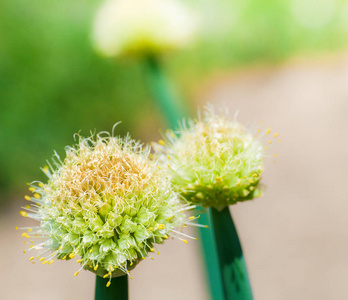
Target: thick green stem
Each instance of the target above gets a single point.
(212, 264)
(232, 264)
(163, 92)
(118, 289)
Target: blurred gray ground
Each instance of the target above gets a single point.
(295, 238)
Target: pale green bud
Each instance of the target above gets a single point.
(142, 27)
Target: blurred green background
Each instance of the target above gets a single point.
(52, 83)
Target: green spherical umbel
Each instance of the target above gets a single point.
(213, 162)
(106, 203)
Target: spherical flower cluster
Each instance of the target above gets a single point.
(141, 27)
(213, 162)
(107, 203)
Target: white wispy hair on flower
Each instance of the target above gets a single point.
(214, 161)
(140, 27)
(107, 203)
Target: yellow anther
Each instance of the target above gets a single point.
(255, 175)
(206, 226)
(24, 234)
(266, 148)
(37, 196)
(168, 157)
(196, 239)
(45, 169)
(23, 251)
(30, 229)
(23, 213)
(16, 227)
(64, 257)
(79, 260)
(280, 140)
(185, 226)
(276, 134)
(41, 259)
(158, 253)
(275, 155)
(31, 242)
(27, 206)
(106, 275)
(143, 258)
(152, 250)
(90, 251)
(32, 189)
(96, 268)
(268, 131)
(60, 247)
(76, 273)
(152, 258)
(165, 236)
(25, 242)
(186, 242)
(44, 262)
(37, 256)
(31, 258)
(50, 262)
(191, 218)
(270, 142)
(238, 183)
(170, 218)
(162, 142)
(31, 246)
(251, 181)
(26, 197)
(130, 277)
(108, 284)
(258, 130)
(150, 229)
(245, 177)
(41, 185)
(131, 264)
(161, 226)
(72, 255)
(159, 168)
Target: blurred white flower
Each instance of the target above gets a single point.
(139, 27)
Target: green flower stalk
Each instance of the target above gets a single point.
(106, 203)
(213, 162)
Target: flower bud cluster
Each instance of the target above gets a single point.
(213, 162)
(107, 203)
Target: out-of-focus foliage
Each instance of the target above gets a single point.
(236, 33)
(53, 84)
